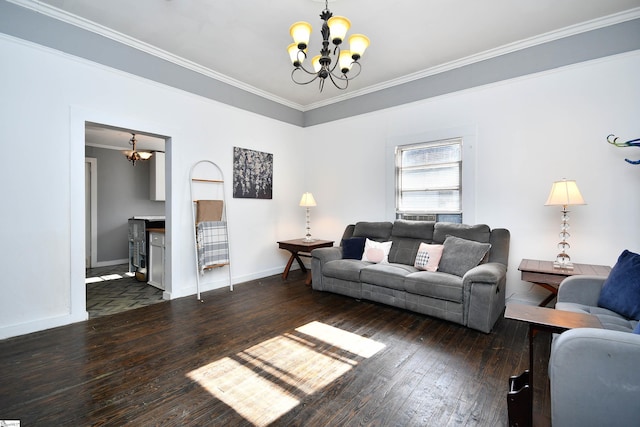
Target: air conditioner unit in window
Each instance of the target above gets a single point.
(417, 217)
(456, 217)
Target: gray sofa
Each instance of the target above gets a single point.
(475, 298)
(593, 373)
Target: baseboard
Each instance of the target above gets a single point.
(112, 262)
(222, 283)
(41, 324)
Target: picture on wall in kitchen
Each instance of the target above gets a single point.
(252, 174)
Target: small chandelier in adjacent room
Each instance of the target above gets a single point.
(133, 155)
(336, 65)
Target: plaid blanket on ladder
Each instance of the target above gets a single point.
(213, 246)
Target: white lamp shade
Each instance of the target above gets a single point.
(316, 63)
(565, 193)
(358, 43)
(293, 53)
(307, 200)
(300, 31)
(338, 27)
(345, 61)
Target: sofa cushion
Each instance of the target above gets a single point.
(386, 275)
(461, 255)
(421, 230)
(378, 231)
(428, 257)
(353, 247)
(609, 319)
(478, 233)
(376, 251)
(406, 237)
(438, 285)
(345, 269)
(621, 290)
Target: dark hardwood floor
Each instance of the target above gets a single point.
(268, 353)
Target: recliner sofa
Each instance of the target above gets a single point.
(473, 298)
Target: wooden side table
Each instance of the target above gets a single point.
(543, 273)
(520, 397)
(298, 248)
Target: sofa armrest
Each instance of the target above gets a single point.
(581, 289)
(489, 273)
(594, 378)
(484, 295)
(327, 254)
(319, 257)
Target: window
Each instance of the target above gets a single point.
(428, 181)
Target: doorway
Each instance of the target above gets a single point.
(116, 189)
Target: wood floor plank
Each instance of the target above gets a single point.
(271, 352)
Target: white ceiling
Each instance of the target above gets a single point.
(244, 42)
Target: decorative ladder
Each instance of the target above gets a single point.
(208, 210)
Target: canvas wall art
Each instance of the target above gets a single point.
(252, 174)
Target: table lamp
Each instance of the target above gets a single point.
(564, 193)
(308, 201)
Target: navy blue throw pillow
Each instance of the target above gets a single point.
(637, 329)
(621, 290)
(353, 247)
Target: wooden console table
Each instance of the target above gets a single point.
(520, 396)
(543, 273)
(298, 248)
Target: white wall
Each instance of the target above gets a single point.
(529, 132)
(524, 135)
(46, 98)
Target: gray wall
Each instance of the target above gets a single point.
(123, 192)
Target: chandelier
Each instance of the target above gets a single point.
(133, 155)
(334, 30)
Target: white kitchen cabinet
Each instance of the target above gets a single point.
(156, 259)
(156, 177)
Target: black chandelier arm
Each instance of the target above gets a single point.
(316, 75)
(350, 76)
(335, 80)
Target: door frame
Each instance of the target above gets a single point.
(91, 217)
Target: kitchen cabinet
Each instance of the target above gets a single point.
(156, 258)
(156, 177)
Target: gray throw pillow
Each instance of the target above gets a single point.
(461, 255)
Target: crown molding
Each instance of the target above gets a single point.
(85, 24)
(584, 27)
(109, 33)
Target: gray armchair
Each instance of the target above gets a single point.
(594, 374)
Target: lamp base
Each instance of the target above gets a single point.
(308, 239)
(563, 261)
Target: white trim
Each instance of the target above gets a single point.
(112, 262)
(41, 325)
(85, 24)
(126, 40)
(93, 170)
(488, 54)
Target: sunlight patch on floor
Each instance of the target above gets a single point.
(266, 381)
(107, 277)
